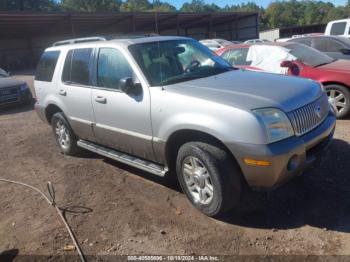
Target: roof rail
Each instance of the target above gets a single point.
(80, 40)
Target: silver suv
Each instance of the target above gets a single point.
(169, 106)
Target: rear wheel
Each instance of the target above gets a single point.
(339, 98)
(64, 135)
(209, 177)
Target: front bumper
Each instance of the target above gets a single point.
(24, 97)
(304, 150)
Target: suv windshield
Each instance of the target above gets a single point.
(170, 62)
(308, 55)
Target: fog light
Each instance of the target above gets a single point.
(293, 163)
(253, 162)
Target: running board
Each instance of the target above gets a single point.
(124, 158)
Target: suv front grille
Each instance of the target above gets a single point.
(8, 95)
(308, 117)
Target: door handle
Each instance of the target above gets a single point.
(62, 92)
(100, 99)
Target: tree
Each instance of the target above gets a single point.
(27, 5)
(196, 6)
(162, 7)
(135, 5)
(90, 5)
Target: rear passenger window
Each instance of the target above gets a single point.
(111, 67)
(338, 28)
(46, 66)
(77, 67)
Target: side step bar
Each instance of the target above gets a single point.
(124, 158)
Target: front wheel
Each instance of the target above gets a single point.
(339, 98)
(209, 177)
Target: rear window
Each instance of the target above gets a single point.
(304, 41)
(77, 67)
(338, 28)
(46, 66)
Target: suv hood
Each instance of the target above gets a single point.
(251, 90)
(341, 66)
(9, 82)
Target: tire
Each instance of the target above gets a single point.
(339, 98)
(223, 176)
(64, 135)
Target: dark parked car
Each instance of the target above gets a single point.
(337, 47)
(13, 91)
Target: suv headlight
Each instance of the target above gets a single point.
(276, 123)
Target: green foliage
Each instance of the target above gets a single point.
(27, 5)
(162, 7)
(199, 6)
(279, 13)
(135, 5)
(90, 5)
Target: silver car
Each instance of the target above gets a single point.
(169, 106)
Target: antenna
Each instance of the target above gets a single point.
(155, 5)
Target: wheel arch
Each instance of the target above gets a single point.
(327, 83)
(180, 137)
(50, 110)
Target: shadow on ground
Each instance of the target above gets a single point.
(8, 255)
(319, 198)
(15, 109)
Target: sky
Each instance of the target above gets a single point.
(222, 3)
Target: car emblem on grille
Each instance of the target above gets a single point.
(318, 111)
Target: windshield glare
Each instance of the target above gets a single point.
(170, 62)
(309, 56)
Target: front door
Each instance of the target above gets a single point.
(122, 120)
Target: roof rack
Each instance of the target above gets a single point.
(79, 40)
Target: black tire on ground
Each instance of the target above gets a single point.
(225, 177)
(337, 90)
(69, 145)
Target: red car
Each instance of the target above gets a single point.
(298, 60)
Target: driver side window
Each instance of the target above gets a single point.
(111, 67)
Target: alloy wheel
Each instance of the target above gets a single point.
(198, 180)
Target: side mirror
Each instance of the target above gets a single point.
(288, 64)
(345, 51)
(293, 68)
(129, 86)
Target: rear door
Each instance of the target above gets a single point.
(122, 120)
(75, 91)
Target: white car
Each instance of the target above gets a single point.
(215, 44)
(339, 27)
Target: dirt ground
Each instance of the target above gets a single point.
(115, 209)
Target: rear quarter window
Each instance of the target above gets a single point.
(46, 66)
